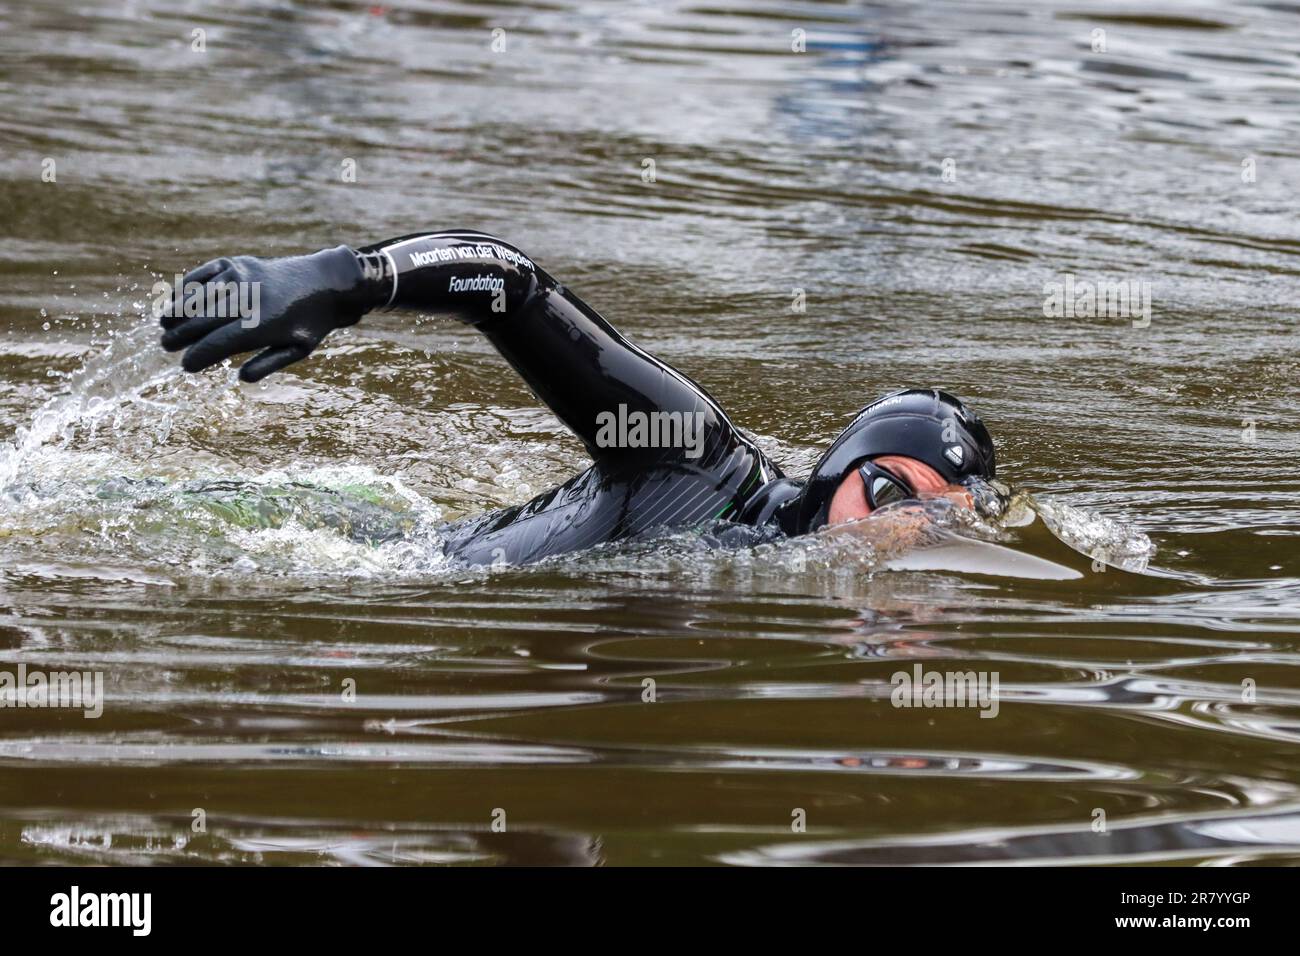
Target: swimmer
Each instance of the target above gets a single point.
(665, 455)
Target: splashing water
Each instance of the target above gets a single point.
(1101, 538)
(101, 473)
(109, 383)
(95, 477)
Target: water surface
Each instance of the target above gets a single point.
(227, 633)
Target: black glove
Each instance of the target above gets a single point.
(300, 300)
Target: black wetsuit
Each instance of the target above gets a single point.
(592, 378)
(665, 454)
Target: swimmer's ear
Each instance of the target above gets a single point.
(272, 360)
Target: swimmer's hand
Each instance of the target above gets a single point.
(282, 306)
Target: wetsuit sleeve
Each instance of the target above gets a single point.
(572, 359)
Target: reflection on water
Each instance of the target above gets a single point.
(288, 658)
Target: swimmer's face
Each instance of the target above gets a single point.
(850, 501)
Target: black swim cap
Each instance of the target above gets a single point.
(922, 423)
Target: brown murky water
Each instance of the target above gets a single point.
(920, 171)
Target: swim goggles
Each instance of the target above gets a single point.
(883, 487)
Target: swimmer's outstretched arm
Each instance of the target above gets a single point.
(571, 358)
